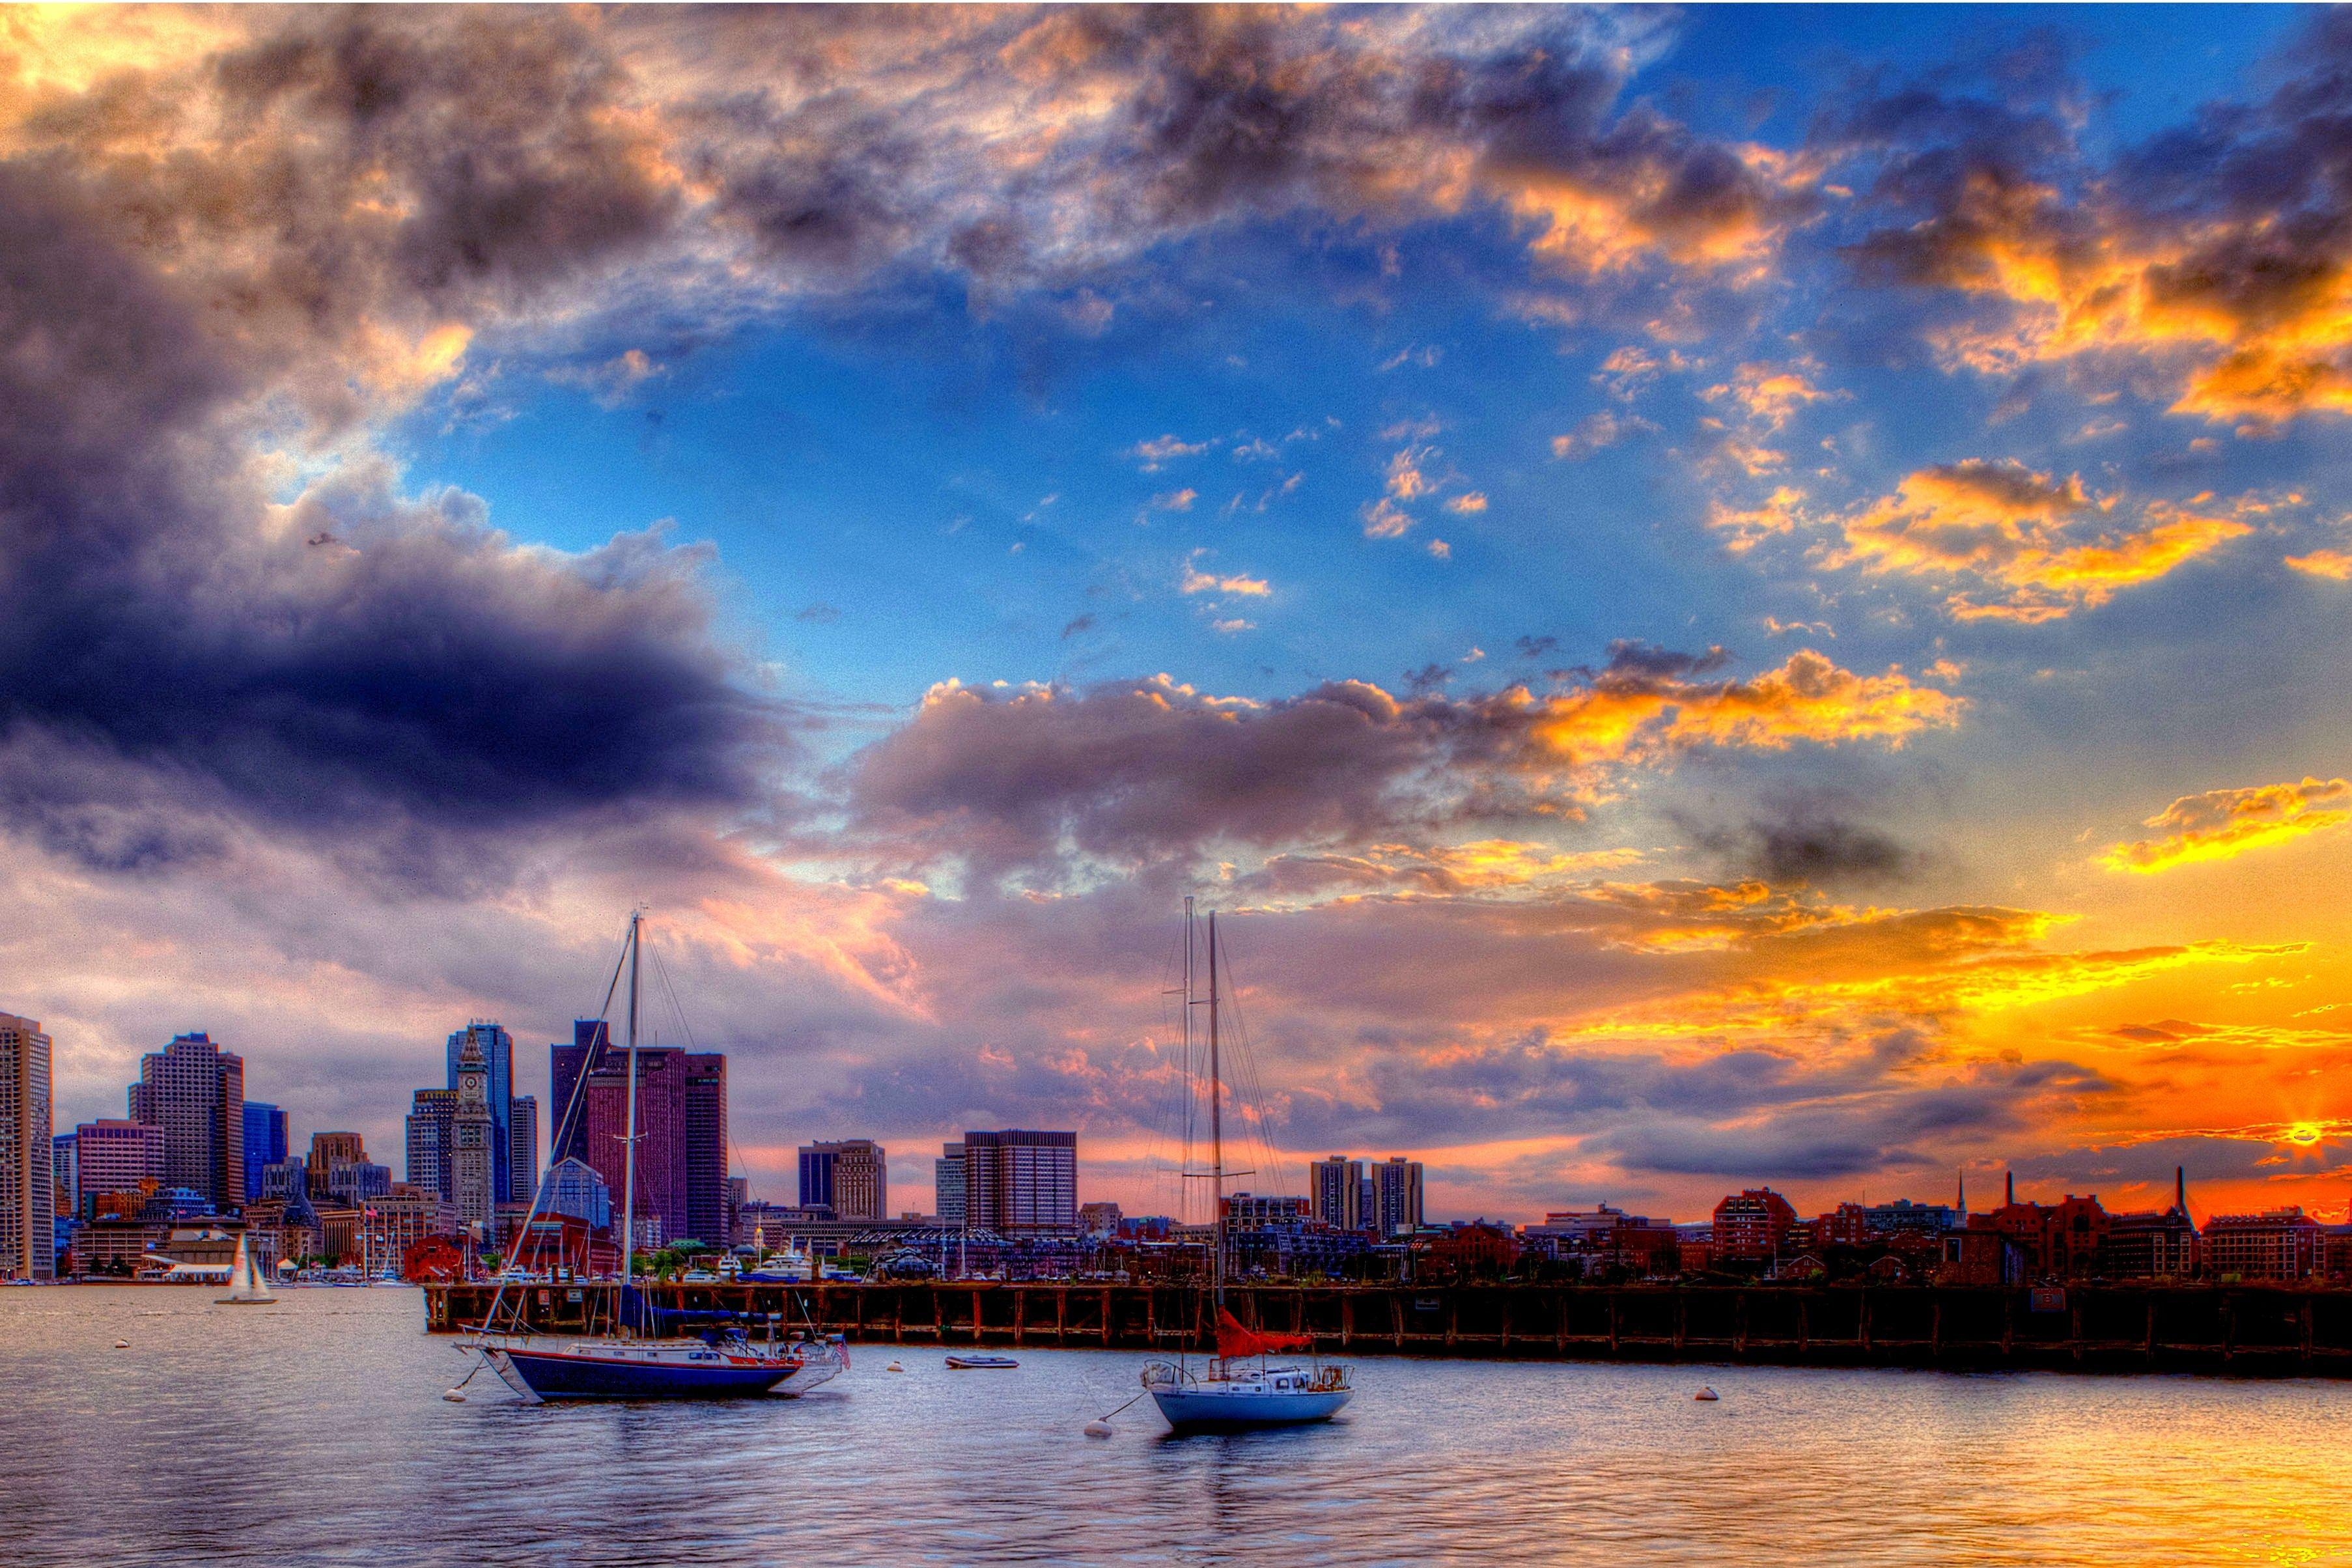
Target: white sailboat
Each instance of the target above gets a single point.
(1242, 1386)
(247, 1287)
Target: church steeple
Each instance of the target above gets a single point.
(1960, 1197)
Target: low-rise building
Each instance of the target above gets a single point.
(1750, 1226)
(2276, 1244)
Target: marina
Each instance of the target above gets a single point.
(2232, 1330)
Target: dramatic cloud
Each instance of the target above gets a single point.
(2035, 545)
(2217, 251)
(2222, 823)
(1129, 770)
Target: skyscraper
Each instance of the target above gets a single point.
(705, 1147)
(851, 1177)
(265, 1143)
(1336, 1186)
(28, 1203)
(473, 1152)
(115, 1157)
(431, 1118)
(496, 1047)
(661, 1162)
(567, 1129)
(195, 1092)
(948, 1184)
(1018, 1182)
(522, 1148)
(1398, 1181)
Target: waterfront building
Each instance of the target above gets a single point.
(2062, 1241)
(1750, 1226)
(567, 1134)
(1607, 1237)
(1250, 1211)
(1337, 1184)
(948, 1185)
(28, 1200)
(1397, 1188)
(265, 1143)
(114, 1157)
(329, 1150)
(1018, 1182)
(395, 1221)
(2153, 1244)
(473, 1188)
(2276, 1244)
(195, 1092)
(572, 1187)
(851, 1177)
(1101, 1219)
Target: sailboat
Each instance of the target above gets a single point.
(1243, 1386)
(247, 1287)
(647, 1352)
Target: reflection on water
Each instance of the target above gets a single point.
(315, 1431)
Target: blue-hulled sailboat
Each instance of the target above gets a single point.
(648, 1351)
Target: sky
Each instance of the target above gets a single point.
(1714, 597)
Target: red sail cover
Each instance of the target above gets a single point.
(1235, 1340)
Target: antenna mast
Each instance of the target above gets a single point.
(1216, 1122)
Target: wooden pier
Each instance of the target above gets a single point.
(2238, 1330)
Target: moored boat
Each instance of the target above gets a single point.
(1230, 1393)
(646, 1351)
(983, 1363)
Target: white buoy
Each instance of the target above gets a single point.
(894, 1366)
(1097, 1428)
(1706, 1394)
(122, 1344)
(454, 1397)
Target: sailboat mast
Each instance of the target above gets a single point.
(629, 1137)
(1216, 1122)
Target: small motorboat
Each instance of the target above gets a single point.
(983, 1363)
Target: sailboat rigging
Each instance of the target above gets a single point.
(648, 1351)
(1234, 1393)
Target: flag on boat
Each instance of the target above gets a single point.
(1235, 1341)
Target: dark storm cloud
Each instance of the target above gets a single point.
(323, 662)
(1812, 841)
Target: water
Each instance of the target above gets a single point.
(315, 1432)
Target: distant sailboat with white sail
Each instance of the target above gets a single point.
(247, 1287)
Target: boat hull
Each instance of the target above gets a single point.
(653, 1370)
(1200, 1410)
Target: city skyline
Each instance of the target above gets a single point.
(1716, 598)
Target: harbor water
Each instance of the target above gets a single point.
(314, 1431)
